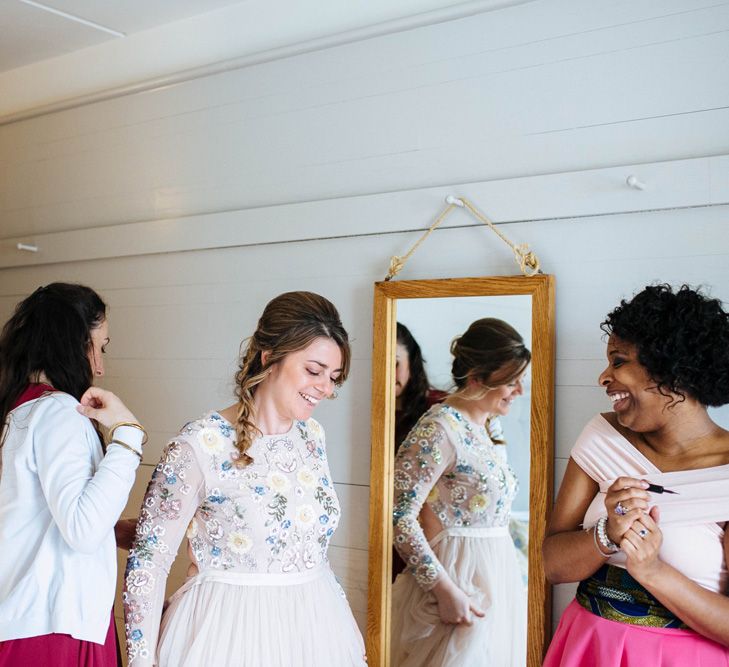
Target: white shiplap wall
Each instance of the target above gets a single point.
(189, 207)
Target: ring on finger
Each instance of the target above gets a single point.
(620, 510)
(643, 532)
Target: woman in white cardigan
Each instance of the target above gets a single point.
(61, 490)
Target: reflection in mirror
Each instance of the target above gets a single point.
(442, 494)
(460, 494)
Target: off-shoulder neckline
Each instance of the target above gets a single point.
(646, 460)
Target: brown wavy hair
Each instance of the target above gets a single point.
(289, 323)
(491, 352)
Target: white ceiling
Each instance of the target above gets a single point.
(97, 48)
(29, 34)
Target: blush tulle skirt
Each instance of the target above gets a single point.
(483, 563)
(247, 620)
(584, 639)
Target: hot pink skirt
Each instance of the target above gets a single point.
(58, 649)
(586, 640)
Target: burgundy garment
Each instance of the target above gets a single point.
(31, 392)
(56, 650)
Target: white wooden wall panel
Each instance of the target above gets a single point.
(189, 207)
(494, 95)
(675, 184)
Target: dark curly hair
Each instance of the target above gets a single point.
(682, 340)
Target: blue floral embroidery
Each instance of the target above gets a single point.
(454, 467)
(234, 516)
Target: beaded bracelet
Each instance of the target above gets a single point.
(601, 534)
(597, 546)
(133, 425)
(126, 446)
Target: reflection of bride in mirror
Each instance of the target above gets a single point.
(461, 600)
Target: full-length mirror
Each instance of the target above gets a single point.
(470, 486)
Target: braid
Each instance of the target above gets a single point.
(289, 323)
(250, 374)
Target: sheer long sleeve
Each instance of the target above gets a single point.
(424, 456)
(175, 492)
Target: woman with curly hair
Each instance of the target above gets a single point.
(640, 517)
(252, 487)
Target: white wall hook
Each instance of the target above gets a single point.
(27, 247)
(634, 182)
(450, 199)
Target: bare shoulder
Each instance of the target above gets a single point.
(722, 445)
(632, 437)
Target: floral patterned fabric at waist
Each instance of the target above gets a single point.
(613, 594)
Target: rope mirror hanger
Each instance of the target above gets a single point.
(528, 262)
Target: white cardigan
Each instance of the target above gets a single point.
(60, 497)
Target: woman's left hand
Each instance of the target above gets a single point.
(641, 544)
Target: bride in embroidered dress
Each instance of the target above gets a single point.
(252, 486)
(461, 600)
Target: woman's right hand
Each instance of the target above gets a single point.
(629, 496)
(105, 407)
(454, 606)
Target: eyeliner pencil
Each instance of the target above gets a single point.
(657, 488)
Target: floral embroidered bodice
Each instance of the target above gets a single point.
(276, 515)
(454, 466)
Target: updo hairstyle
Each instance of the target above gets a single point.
(290, 322)
(491, 352)
(681, 338)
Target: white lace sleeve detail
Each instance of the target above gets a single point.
(173, 495)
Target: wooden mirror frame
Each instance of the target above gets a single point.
(541, 289)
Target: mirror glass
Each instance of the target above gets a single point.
(509, 500)
(434, 324)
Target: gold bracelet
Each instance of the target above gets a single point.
(126, 446)
(133, 425)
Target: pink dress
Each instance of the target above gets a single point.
(692, 523)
